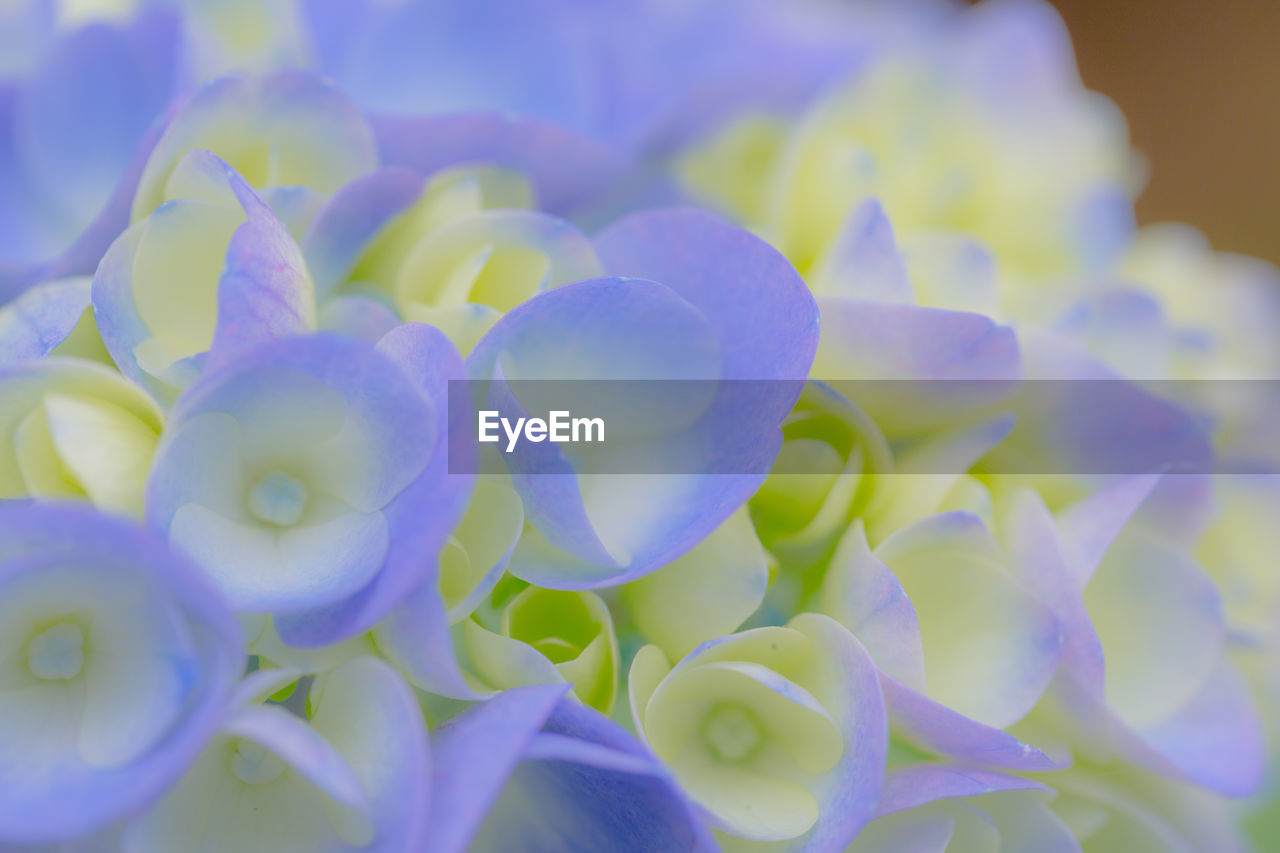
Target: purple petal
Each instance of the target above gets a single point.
(760, 309)
(1216, 740)
(474, 754)
(848, 685)
(264, 292)
(918, 785)
(343, 228)
(864, 261)
(422, 517)
(584, 783)
(968, 360)
(424, 57)
(941, 730)
(113, 79)
(568, 173)
(37, 321)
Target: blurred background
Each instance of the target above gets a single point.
(1200, 85)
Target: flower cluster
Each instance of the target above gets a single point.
(909, 536)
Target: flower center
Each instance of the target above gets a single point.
(58, 653)
(254, 764)
(278, 499)
(732, 733)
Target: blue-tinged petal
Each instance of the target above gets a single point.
(1215, 740)
(35, 323)
(569, 174)
(1078, 416)
(863, 262)
(416, 637)
(245, 280)
(990, 647)
(109, 705)
(358, 316)
(264, 291)
(639, 330)
(1088, 527)
(422, 517)
(305, 438)
(725, 306)
(1144, 668)
(473, 755)
(847, 802)
(585, 784)
(933, 726)
(969, 360)
(303, 748)
(112, 79)
(862, 594)
(916, 785)
(344, 227)
(760, 309)
(115, 79)
(424, 57)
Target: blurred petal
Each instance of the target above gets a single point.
(706, 593)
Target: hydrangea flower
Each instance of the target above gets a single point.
(75, 429)
(777, 733)
(978, 127)
(1145, 674)
(891, 546)
(291, 135)
(682, 318)
(310, 478)
(245, 279)
(118, 662)
(964, 649)
(350, 775)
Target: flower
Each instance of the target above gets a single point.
(1145, 674)
(118, 661)
(245, 280)
(76, 429)
(777, 733)
(293, 137)
(964, 649)
(688, 317)
(978, 128)
(455, 252)
(310, 478)
(547, 636)
(351, 775)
